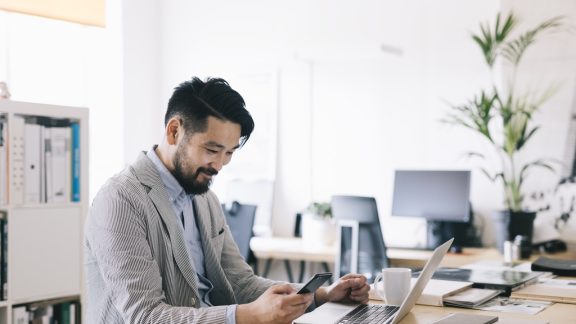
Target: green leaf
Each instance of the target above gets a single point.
(542, 163)
(513, 51)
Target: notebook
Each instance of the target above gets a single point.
(334, 312)
(499, 279)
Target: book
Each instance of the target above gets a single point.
(4, 260)
(48, 165)
(3, 161)
(459, 318)
(75, 150)
(471, 297)
(559, 267)
(498, 279)
(32, 163)
(434, 292)
(20, 315)
(556, 290)
(61, 171)
(17, 138)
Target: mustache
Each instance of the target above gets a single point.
(208, 171)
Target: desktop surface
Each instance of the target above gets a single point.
(555, 314)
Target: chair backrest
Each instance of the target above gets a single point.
(240, 219)
(371, 250)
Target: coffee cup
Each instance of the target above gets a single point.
(395, 285)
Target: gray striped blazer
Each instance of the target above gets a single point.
(137, 267)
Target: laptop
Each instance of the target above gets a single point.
(342, 313)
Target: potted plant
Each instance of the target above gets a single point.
(317, 224)
(502, 114)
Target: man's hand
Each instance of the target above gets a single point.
(278, 304)
(351, 288)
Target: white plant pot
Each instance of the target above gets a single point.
(317, 230)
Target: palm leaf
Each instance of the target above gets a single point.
(525, 139)
(513, 51)
(542, 163)
(490, 41)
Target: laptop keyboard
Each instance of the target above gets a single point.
(369, 314)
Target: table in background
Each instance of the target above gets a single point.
(291, 249)
(295, 249)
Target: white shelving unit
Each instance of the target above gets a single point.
(45, 239)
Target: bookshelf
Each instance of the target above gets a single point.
(43, 204)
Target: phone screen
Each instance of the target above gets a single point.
(315, 282)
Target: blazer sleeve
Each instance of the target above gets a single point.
(116, 234)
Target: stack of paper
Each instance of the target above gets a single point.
(435, 292)
(557, 290)
(471, 297)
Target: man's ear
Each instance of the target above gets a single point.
(173, 127)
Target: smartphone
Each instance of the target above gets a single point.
(315, 282)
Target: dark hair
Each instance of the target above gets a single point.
(195, 100)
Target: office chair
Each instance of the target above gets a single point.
(240, 219)
(371, 250)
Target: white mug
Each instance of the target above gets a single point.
(395, 285)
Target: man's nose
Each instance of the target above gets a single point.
(218, 162)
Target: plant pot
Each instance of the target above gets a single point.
(317, 230)
(508, 224)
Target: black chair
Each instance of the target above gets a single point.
(240, 219)
(371, 254)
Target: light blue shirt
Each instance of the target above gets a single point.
(183, 206)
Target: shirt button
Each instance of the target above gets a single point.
(193, 300)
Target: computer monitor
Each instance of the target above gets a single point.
(441, 197)
(361, 246)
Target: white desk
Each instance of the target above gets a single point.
(296, 249)
(555, 314)
(293, 248)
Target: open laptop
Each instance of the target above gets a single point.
(335, 312)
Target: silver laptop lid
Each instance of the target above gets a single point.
(422, 281)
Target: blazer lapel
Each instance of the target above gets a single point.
(214, 270)
(146, 172)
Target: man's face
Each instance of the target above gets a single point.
(201, 156)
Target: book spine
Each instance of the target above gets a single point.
(75, 162)
(3, 161)
(17, 149)
(20, 315)
(33, 163)
(48, 165)
(4, 258)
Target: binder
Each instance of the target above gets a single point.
(3, 161)
(32, 163)
(17, 140)
(48, 178)
(75, 162)
(61, 172)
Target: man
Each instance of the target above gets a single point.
(157, 247)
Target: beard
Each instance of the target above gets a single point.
(189, 180)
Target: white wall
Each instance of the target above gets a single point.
(326, 57)
(61, 63)
(141, 51)
(349, 114)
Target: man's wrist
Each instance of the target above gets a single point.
(320, 296)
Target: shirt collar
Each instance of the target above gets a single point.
(174, 189)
